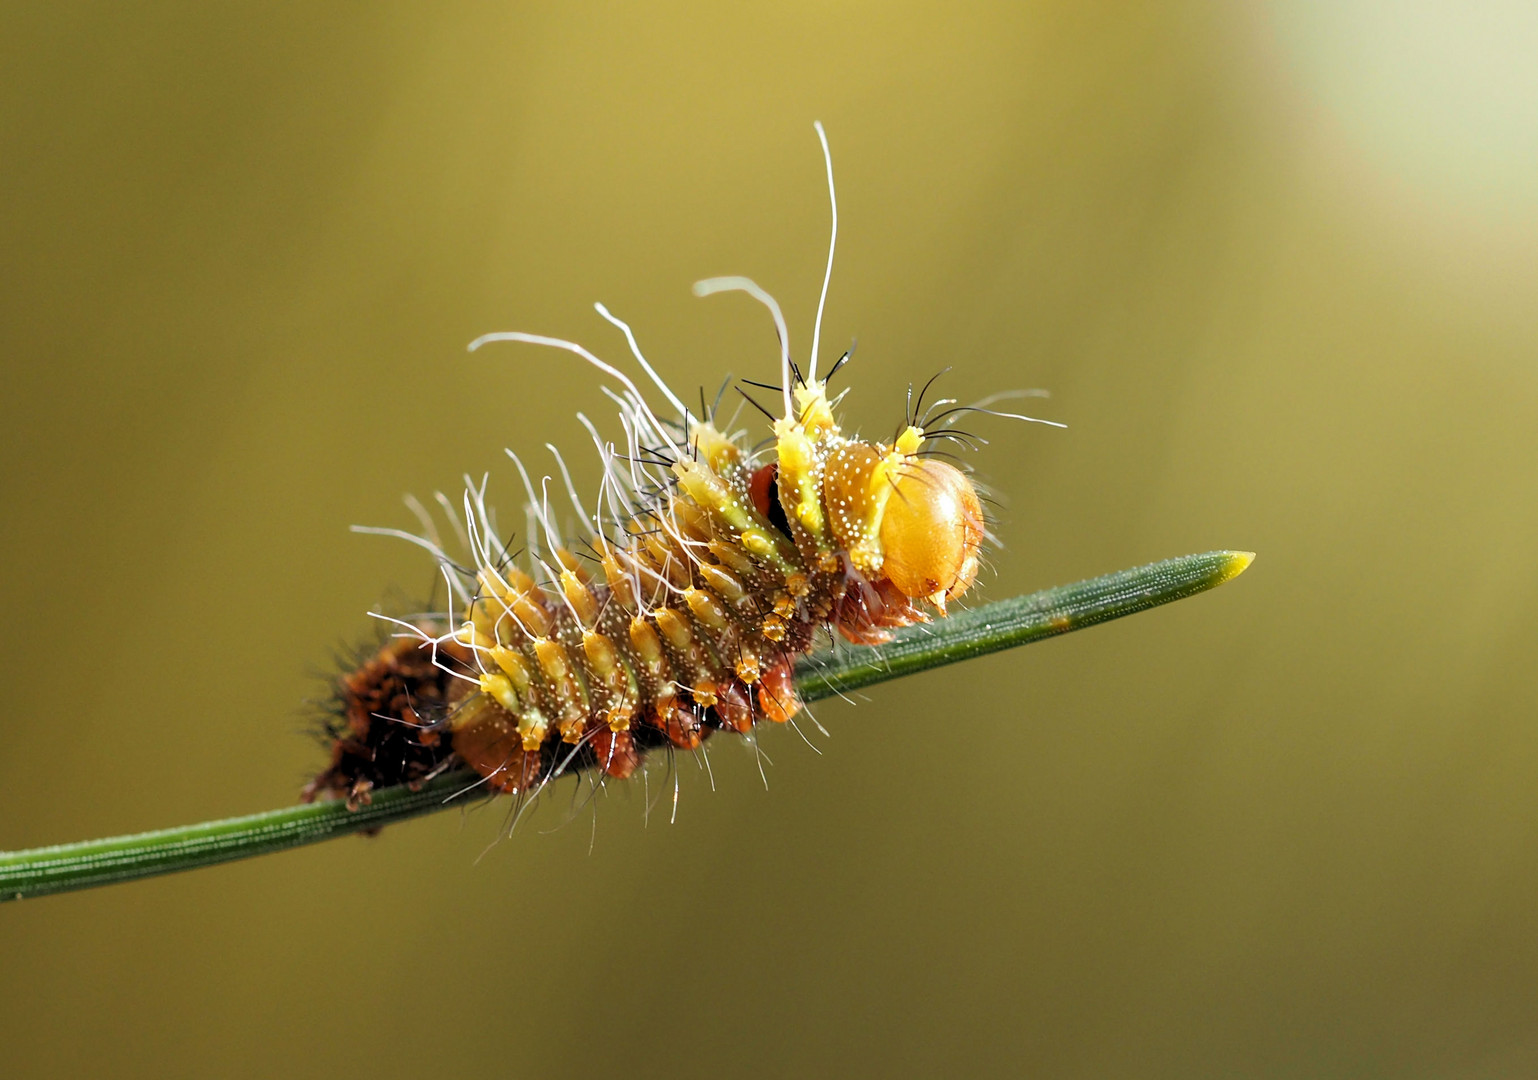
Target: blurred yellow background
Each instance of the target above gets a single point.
(1277, 264)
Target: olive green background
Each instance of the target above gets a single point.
(1277, 265)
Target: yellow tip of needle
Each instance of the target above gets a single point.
(1237, 563)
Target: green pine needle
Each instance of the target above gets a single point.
(972, 633)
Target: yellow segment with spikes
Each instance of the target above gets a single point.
(802, 442)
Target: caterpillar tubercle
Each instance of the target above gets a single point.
(711, 571)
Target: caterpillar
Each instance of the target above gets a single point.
(709, 566)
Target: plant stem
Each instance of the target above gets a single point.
(917, 648)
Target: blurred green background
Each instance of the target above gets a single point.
(1277, 264)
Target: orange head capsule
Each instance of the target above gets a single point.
(931, 531)
(912, 521)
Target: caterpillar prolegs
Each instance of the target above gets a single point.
(707, 567)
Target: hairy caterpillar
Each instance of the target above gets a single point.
(712, 567)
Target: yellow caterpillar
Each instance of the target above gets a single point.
(711, 569)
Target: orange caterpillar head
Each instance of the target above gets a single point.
(931, 531)
(923, 536)
(905, 522)
(916, 522)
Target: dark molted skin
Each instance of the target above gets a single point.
(383, 730)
